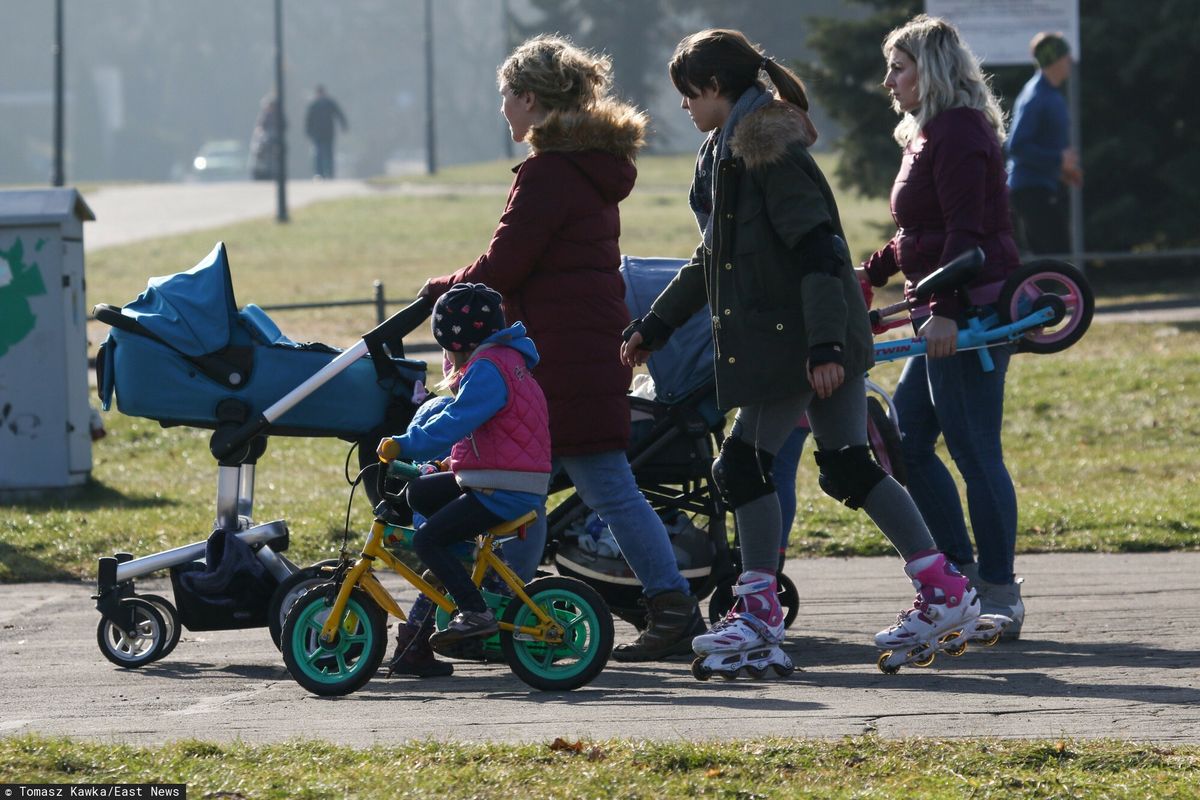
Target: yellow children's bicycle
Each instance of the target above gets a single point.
(555, 633)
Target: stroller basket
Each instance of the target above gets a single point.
(182, 348)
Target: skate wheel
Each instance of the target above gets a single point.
(884, 666)
(728, 674)
(924, 662)
(699, 671)
(957, 650)
(991, 640)
(784, 670)
(757, 673)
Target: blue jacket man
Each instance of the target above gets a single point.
(1041, 162)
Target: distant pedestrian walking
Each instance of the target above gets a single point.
(320, 120)
(1041, 163)
(267, 139)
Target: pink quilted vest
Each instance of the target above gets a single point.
(511, 451)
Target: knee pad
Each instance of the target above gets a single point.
(742, 473)
(848, 475)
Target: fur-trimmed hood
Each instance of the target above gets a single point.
(763, 136)
(610, 126)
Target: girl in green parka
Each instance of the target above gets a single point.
(790, 333)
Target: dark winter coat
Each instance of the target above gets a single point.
(556, 260)
(320, 116)
(767, 305)
(950, 196)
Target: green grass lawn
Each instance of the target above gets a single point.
(768, 768)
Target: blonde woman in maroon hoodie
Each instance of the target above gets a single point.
(950, 195)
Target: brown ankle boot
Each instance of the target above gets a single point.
(673, 619)
(414, 656)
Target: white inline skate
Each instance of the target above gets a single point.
(743, 643)
(944, 617)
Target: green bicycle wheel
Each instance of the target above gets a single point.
(585, 648)
(347, 663)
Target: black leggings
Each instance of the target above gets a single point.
(452, 514)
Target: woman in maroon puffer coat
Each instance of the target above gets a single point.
(555, 258)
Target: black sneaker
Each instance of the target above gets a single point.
(466, 625)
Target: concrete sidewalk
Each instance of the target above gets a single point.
(1110, 649)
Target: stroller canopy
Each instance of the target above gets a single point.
(686, 362)
(179, 308)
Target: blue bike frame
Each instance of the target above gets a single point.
(980, 334)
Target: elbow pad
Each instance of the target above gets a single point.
(818, 251)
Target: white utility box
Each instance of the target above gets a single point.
(45, 436)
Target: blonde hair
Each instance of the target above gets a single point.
(457, 360)
(948, 75)
(560, 75)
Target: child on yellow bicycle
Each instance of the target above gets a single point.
(497, 430)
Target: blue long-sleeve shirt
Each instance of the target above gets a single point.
(1040, 132)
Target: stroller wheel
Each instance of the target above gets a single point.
(142, 644)
(288, 592)
(170, 618)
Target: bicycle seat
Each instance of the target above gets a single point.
(512, 525)
(958, 272)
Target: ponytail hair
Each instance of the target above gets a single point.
(727, 60)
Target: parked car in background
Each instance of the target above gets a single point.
(220, 160)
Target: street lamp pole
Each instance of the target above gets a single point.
(506, 25)
(430, 149)
(57, 178)
(281, 211)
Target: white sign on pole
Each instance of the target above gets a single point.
(999, 31)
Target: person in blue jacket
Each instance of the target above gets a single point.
(1041, 162)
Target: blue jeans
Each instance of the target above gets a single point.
(787, 462)
(606, 485)
(953, 397)
(323, 158)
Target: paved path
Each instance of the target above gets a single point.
(127, 214)
(1111, 648)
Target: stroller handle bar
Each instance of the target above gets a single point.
(226, 444)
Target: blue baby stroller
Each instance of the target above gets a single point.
(677, 429)
(182, 353)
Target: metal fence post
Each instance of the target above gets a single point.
(380, 303)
